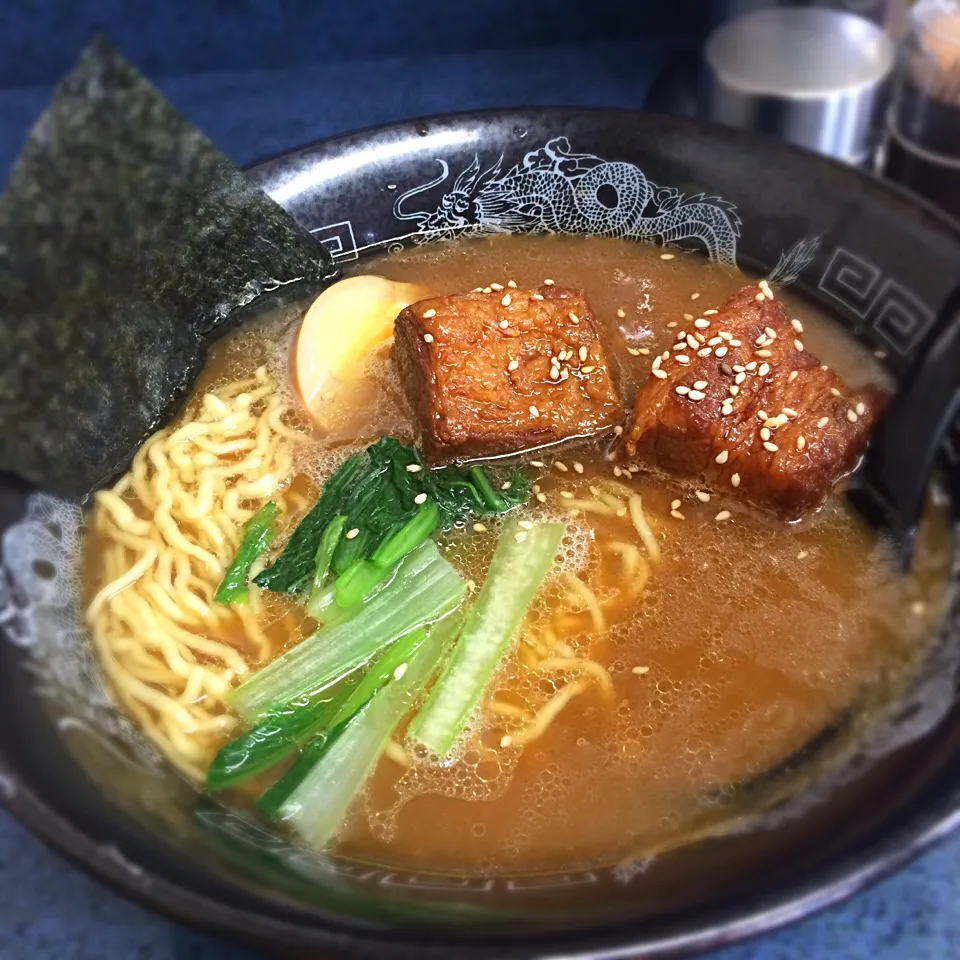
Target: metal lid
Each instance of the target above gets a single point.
(808, 75)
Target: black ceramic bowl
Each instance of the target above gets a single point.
(872, 256)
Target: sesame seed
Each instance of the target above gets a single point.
(880, 354)
(525, 524)
(709, 313)
(666, 256)
(688, 316)
(770, 332)
(350, 534)
(427, 314)
(566, 494)
(512, 284)
(589, 369)
(520, 536)
(643, 351)
(634, 351)
(682, 358)
(541, 498)
(735, 480)
(763, 369)
(573, 318)
(621, 313)
(682, 390)
(722, 456)
(835, 391)
(496, 286)
(721, 351)
(789, 412)
(660, 373)
(823, 421)
(701, 324)
(764, 433)
(702, 496)
(823, 366)
(420, 498)
(797, 325)
(734, 342)
(679, 346)
(762, 340)
(477, 290)
(560, 465)
(801, 442)
(535, 487)
(506, 485)
(852, 416)
(726, 410)
(480, 528)
(537, 463)
(675, 505)
(506, 300)
(762, 415)
(672, 324)
(414, 468)
(752, 365)
(428, 338)
(504, 324)
(640, 671)
(582, 353)
(763, 353)
(759, 297)
(715, 341)
(696, 395)
(536, 296)
(739, 378)
(726, 336)
(534, 412)
(548, 283)
(722, 515)
(577, 466)
(734, 389)
(617, 430)
(770, 447)
(726, 369)
(486, 289)
(700, 385)
(694, 296)
(798, 345)
(513, 364)
(705, 352)
(861, 409)
(793, 375)
(692, 343)
(677, 515)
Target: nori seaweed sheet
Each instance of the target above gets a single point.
(126, 242)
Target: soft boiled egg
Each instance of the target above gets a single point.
(348, 322)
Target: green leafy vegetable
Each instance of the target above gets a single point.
(338, 765)
(328, 545)
(258, 532)
(278, 734)
(518, 568)
(424, 587)
(392, 665)
(377, 493)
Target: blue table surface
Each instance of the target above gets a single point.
(50, 910)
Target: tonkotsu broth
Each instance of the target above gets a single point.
(749, 638)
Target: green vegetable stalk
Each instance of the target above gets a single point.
(258, 532)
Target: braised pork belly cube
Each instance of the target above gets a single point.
(493, 373)
(739, 403)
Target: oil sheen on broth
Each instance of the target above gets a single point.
(747, 640)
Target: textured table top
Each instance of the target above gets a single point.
(50, 911)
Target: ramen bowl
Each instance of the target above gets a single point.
(874, 258)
